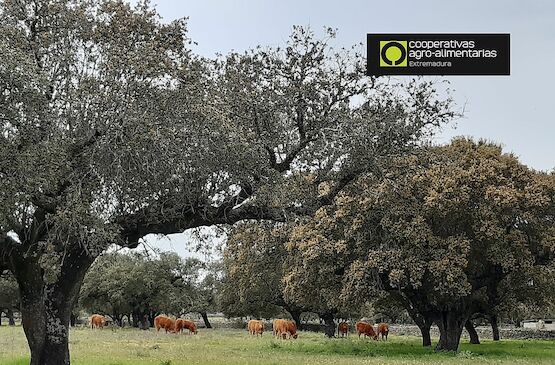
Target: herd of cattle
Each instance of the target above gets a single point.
(160, 322)
(282, 328)
(176, 326)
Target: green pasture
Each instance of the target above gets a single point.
(227, 346)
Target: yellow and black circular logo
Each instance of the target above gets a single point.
(393, 53)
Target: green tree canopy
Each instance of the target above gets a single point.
(111, 129)
(442, 231)
(253, 267)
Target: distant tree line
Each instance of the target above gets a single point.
(137, 287)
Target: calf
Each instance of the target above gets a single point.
(98, 321)
(383, 329)
(255, 327)
(181, 324)
(343, 329)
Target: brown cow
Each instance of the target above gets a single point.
(383, 329)
(284, 327)
(343, 329)
(275, 326)
(181, 324)
(97, 321)
(292, 329)
(255, 327)
(164, 322)
(366, 330)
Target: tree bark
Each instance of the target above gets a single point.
(450, 324)
(494, 327)
(424, 323)
(426, 337)
(421, 316)
(474, 339)
(204, 316)
(329, 325)
(46, 304)
(425, 331)
(72, 319)
(296, 315)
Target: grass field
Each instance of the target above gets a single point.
(132, 346)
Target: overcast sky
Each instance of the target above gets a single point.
(515, 110)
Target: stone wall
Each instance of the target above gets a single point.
(483, 332)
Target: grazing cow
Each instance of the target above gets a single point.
(284, 327)
(255, 327)
(164, 322)
(343, 329)
(292, 329)
(97, 321)
(181, 324)
(275, 326)
(366, 330)
(383, 329)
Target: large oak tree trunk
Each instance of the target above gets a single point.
(46, 305)
(204, 316)
(494, 328)
(450, 324)
(474, 339)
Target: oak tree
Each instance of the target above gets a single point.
(447, 230)
(111, 129)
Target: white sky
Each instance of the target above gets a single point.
(513, 110)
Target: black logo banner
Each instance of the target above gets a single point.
(438, 54)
